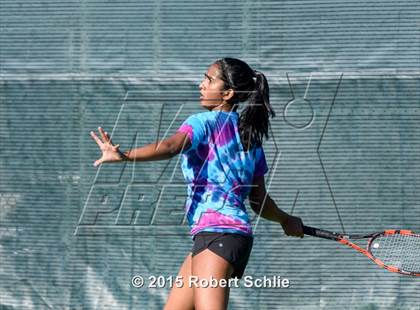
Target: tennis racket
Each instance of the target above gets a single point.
(394, 250)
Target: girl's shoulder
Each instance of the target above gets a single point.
(205, 114)
(210, 115)
(197, 119)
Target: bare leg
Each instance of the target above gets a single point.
(182, 297)
(204, 265)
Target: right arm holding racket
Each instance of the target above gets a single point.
(159, 150)
(262, 204)
(396, 250)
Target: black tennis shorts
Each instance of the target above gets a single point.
(235, 248)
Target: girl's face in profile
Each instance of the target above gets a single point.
(211, 89)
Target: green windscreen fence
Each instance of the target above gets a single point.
(343, 153)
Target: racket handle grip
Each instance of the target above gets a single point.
(320, 233)
(310, 231)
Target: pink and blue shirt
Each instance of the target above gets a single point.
(218, 173)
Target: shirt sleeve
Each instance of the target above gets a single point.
(260, 162)
(194, 127)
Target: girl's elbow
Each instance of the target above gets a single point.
(177, 143)
(170, 148)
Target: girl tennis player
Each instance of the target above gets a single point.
(223, 163)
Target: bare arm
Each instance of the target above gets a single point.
(160, 150)
(262, 204)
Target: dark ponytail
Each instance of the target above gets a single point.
(249, 85)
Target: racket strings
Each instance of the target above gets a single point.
(401, 251)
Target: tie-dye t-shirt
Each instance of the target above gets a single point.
(218, 173)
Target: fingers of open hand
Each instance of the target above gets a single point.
(106, 138)
(104, 134)
(95, 137)
(105, 142)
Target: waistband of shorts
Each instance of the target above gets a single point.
(218, 233)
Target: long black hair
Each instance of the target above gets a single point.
(251, 85)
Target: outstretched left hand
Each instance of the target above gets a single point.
(110, 152)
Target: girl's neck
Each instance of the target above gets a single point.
(224, 107)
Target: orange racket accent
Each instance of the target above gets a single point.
(390, 231)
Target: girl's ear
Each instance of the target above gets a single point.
(228, 94)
